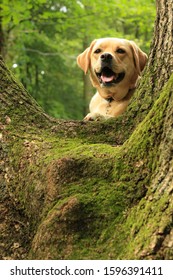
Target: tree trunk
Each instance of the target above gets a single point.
(160, 64)
(2, 38)
(88, 92)
(77, 190)
(87, 87)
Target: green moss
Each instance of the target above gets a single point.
(87, 200)
(147, 225)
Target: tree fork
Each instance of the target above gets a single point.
(76, 190)
(30, 149)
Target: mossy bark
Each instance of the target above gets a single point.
(160, 62)
(77, 190)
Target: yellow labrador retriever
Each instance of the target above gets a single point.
(115, 66)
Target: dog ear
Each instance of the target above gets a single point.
(140, 58)
(83, 60)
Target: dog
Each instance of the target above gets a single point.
(115, 66)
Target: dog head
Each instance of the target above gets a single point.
(114, 65)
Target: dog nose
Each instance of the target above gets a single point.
(106, 57)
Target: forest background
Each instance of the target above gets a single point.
(40, 40)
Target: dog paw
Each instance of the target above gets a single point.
(89, 117)
(93, 117)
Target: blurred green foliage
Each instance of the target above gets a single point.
(42, 38)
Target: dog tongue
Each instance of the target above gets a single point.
(106, 79)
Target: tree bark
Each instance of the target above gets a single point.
(160, 63)
(77, 190)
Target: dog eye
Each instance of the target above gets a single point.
(120, 51)
(97, 51)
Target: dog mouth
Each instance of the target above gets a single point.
(107, 77)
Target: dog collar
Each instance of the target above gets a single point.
(109, 100)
